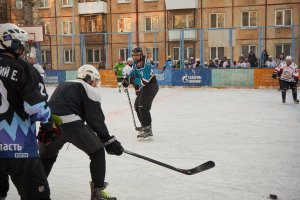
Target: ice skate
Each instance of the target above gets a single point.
(296, 101)
(283, 100)
(146, 132)
(99, 193)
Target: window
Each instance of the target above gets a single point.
(46, 57)
(150, 53)
(183, 21)
(217, 52)
(124, 1)
(217, 20)
(124, 25)
(44, 4)
(93, 55)
(123, 53)
(67, 27)
(151, 23)
(149, 0)
(68, 56)
(247, 48)
(189, 52)
(249, 19)
(91, 25)
(176, 53)
(66, 3)
(282, 48)
(47, 27)
(283, 17)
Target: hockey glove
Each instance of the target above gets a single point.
(274, 75)
(297, 80)
(125, 82)
(113, 146)
(50, 131)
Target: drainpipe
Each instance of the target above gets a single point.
(137, 22)
(56, 39)
(266, 18)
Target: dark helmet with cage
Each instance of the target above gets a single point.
(13, 39)
(137, 51)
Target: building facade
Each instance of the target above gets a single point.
(205, 29)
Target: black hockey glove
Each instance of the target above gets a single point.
(50, 131)
(125, 82)
(113, 146)
(297, 80)
(274, 75)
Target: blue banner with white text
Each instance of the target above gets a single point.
(191, 77)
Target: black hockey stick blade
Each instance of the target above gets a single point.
(203, 167)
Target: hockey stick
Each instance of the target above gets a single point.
(127, 92)
(203, 167)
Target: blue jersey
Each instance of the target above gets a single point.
(142, 75)
(23, 101)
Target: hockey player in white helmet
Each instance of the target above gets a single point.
(289, 76)
(31, 58)
(78, 103)
(23, 102)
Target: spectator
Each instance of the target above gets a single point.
(234, 64)
(205, 65)
(216, 61)
(191, 61)
(226, 63)
(186, 65)
(240, 62)
(118, 69)
(197, 64)
(270, 62)
(280, 59)
(32, 60)
(211, 64)
(252, 59)
(168, 64)
(101, 64)
(246, 63)
(263, 58)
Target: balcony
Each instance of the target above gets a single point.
(175, 35)
(92, 8)
(181, 4)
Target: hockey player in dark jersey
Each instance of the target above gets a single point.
(23, 102)
(78, 103)
(146, 86)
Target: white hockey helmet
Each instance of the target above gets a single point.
(89, 73)
(288, 58)
(12, 37)
(130, 59)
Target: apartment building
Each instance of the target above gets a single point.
(206, 29)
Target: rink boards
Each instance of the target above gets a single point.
(239, 78)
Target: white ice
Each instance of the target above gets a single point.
(251, 136)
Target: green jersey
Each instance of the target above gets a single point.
(118, 69)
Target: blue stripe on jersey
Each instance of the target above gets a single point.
(38, 112)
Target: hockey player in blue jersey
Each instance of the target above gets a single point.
(145, 83)
(23, 102)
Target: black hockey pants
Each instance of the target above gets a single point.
(143, 102)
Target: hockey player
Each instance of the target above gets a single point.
(118, 69)
(78, 103)
(37, 66)
(289, 78)
(23, 102)
(146, 86)
(128, 68)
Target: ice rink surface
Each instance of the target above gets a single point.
(251, 136)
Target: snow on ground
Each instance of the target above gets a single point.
(251, 136)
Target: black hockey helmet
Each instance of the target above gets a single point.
(137, 50)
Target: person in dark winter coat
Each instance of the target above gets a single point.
(252, 59)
